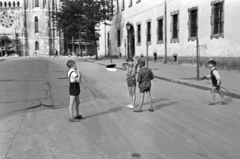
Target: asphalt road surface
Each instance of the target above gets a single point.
(34, 117)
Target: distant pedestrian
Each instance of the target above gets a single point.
(131, 79)
(56, 52)
(145, 75)
(216, 82)
(74, 90)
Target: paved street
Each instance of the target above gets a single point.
(34, 116)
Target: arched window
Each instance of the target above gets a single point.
(36, 45)
(36, 24)
(5, 4)
(13, 4)
(36, 3)
(0, 4)
(9, 4)
(18, 4)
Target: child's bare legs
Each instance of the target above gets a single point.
(132, 94)
(71, 105)
(77, 105)
(149, 99)
(221, 95)
(141, 100)
(213, 95)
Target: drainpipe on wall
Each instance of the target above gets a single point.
(165, 15)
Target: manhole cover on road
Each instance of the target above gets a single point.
(135, 155)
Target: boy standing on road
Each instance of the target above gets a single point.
(144, 78)
(74, 90)
(131, 79)
(216, 82)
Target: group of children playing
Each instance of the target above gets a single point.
(144, 77)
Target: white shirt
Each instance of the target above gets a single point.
(216, 74)
(73, 76)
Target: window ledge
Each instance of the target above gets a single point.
(192, 38)
(149, 43)
(160, 42)
(176, 40)
(216, 36)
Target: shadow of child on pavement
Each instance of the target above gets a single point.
(160, 106)
(113, 110)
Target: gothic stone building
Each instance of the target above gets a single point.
(30, 22)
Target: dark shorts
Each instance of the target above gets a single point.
(131, 82)
(142, 90)
(74, 89)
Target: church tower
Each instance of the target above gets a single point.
(31, 22)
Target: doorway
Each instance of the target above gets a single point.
(131, 42)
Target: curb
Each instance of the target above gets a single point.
(2, 60)
(229, 94)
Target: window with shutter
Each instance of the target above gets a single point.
(217, 19)
(193, 23)
(159, 30)
(175, 26)
(149, 31)
(139, 34)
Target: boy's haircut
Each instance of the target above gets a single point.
(141, 63)
(70, 63)
(129, 59)
(212, 62)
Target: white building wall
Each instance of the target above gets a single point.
(228, 46)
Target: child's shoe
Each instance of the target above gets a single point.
(131, 107)
(78, 117)
(74, 120)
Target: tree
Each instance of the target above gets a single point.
(77, 16)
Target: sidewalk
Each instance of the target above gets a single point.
(185, 75)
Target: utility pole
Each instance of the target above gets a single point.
(147, 51)
(165, 15)
(197, 61)
(110, 51)
(15, 41)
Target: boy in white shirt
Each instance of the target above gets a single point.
(74, 90)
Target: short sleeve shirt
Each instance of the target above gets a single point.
(72, 74)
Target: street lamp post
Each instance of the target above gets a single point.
(128, 26)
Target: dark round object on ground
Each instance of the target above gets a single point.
(111, 66)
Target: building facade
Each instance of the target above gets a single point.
(31, 22)
(174, 28)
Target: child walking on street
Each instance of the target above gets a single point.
(131, 79)
(144, 78)
(74, 77)
(216, 82)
